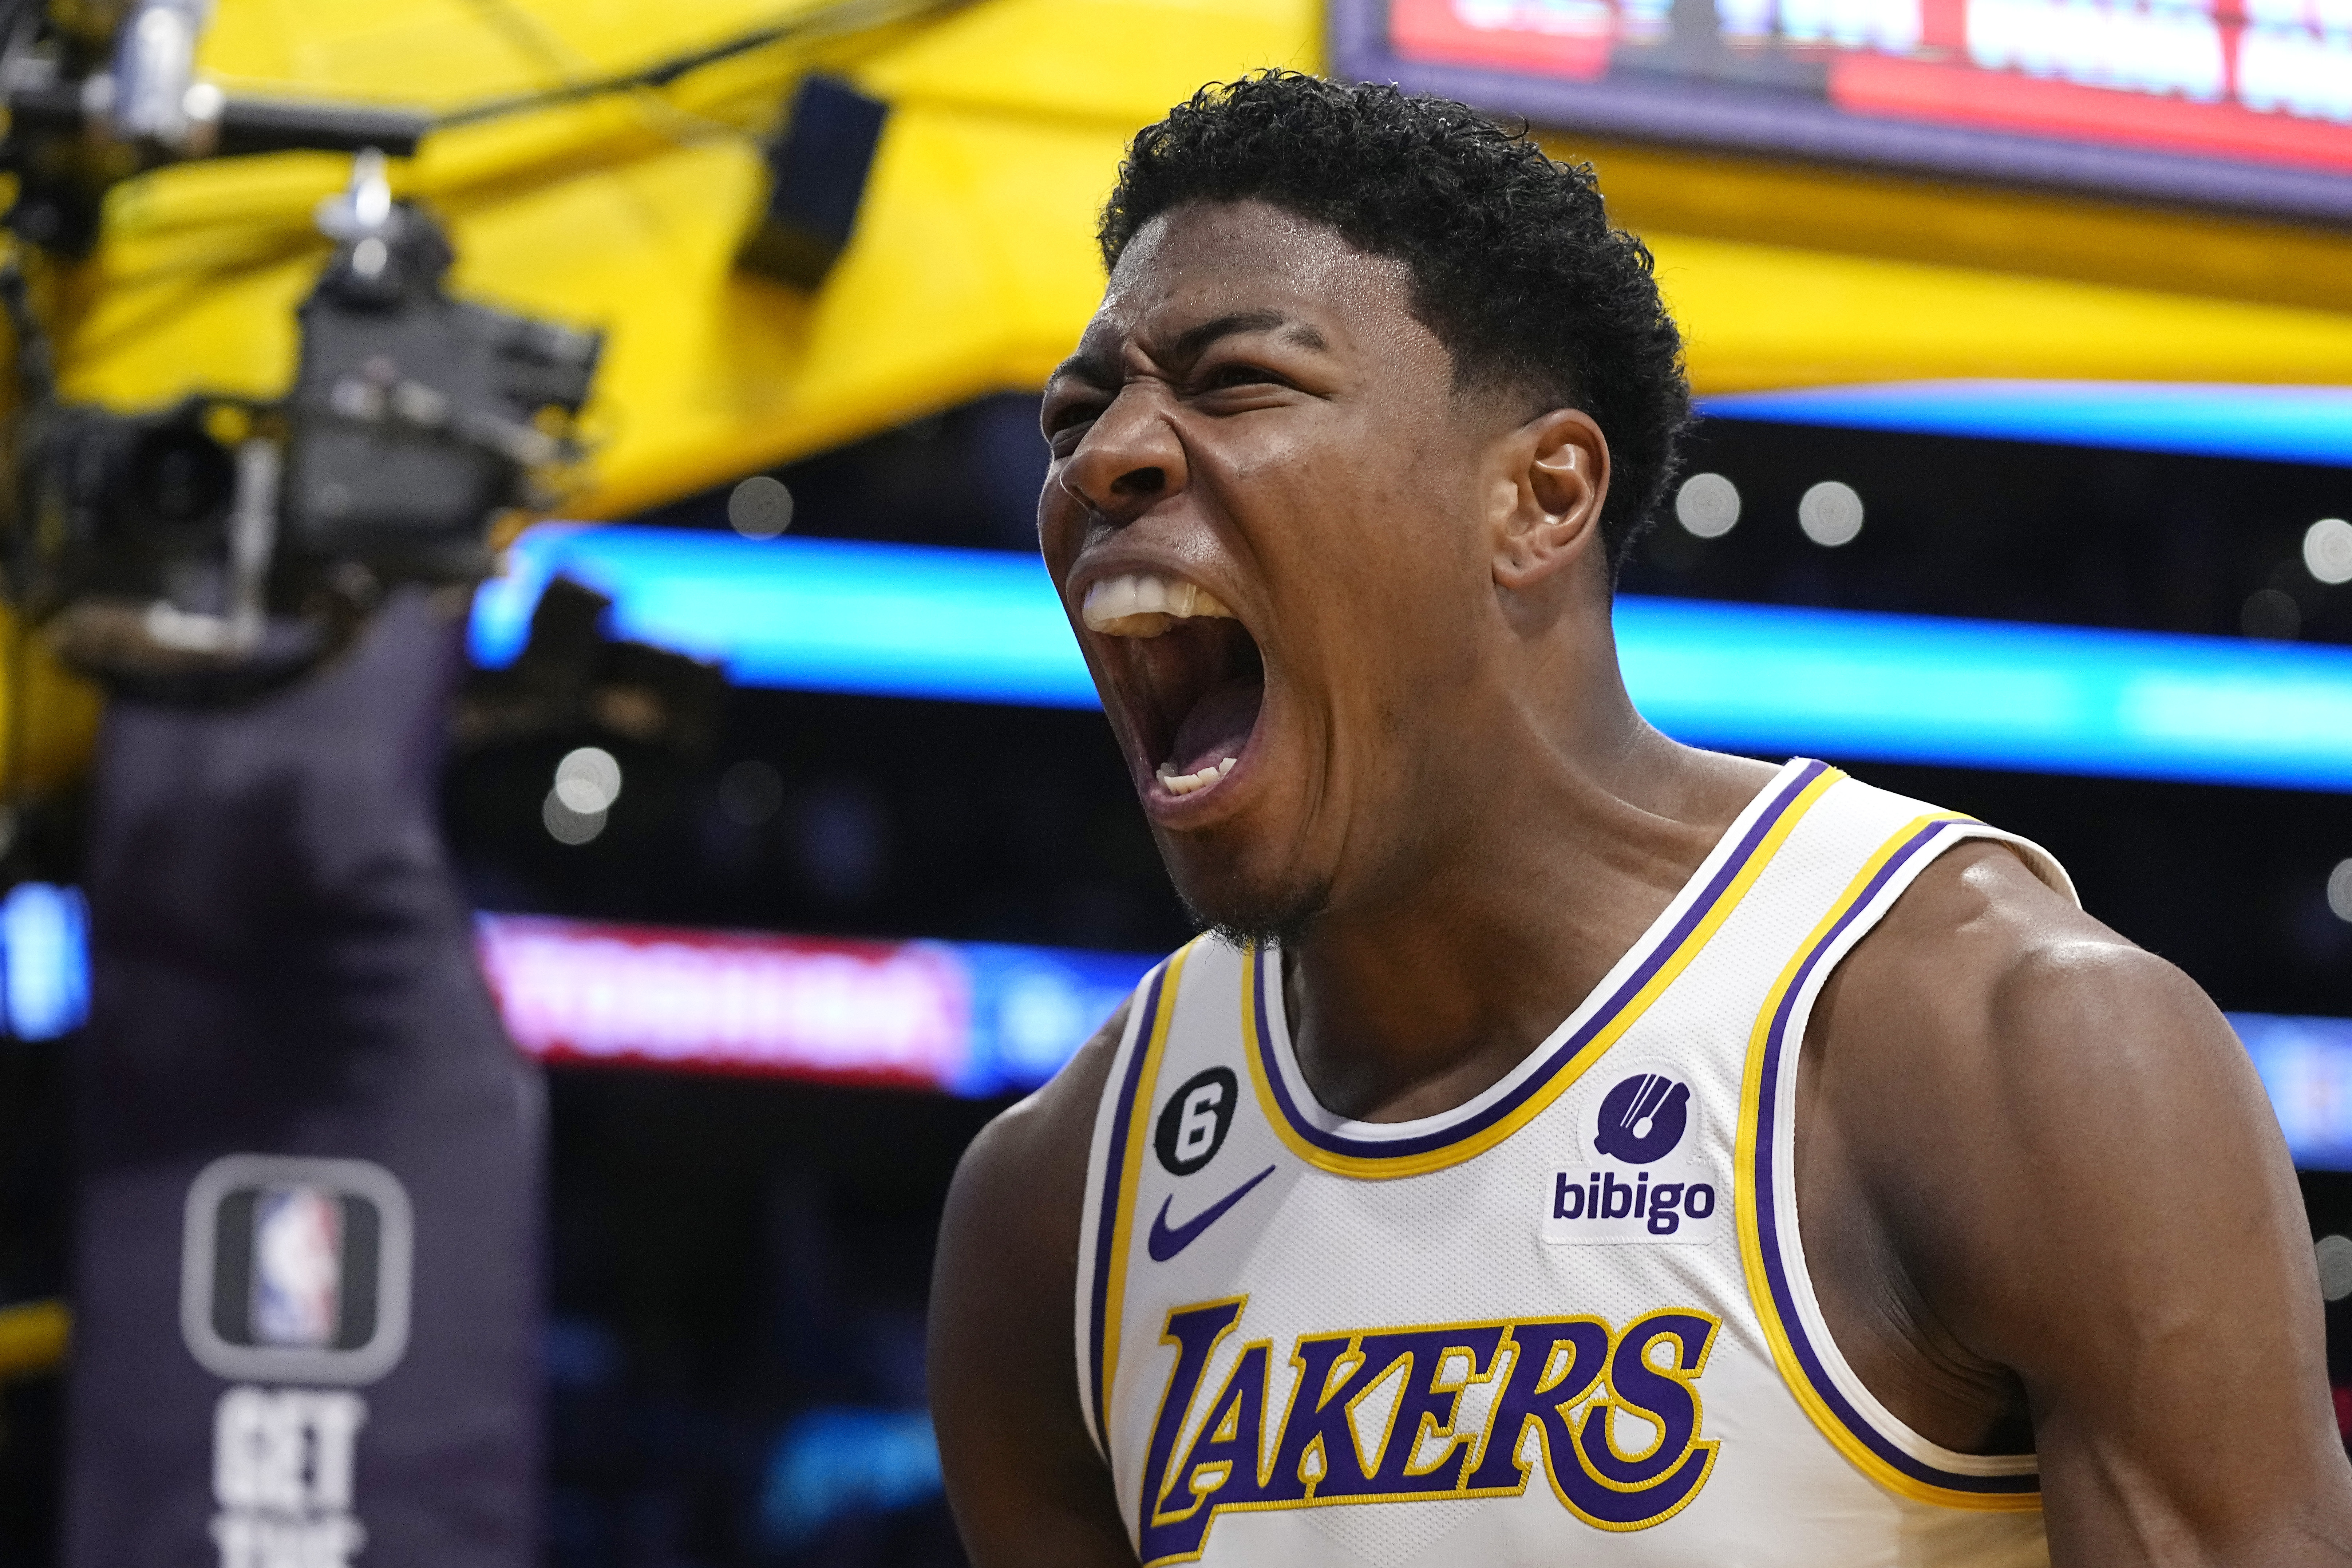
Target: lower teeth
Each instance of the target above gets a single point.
(1185, 784)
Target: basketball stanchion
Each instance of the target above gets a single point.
(305, 1294)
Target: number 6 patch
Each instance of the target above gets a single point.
(1195, 1121)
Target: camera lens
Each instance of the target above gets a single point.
(180, 476)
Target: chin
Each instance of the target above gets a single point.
(1245, 909)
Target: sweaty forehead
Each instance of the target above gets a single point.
(1262, 266)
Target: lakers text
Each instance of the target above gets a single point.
(1458, 1410)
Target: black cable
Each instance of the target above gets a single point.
(845, 16)
(249, 125)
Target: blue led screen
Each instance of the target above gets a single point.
(985, 627)
(2276, 424)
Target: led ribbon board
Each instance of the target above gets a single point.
(2273, 424)
(2243, 103)
(985, 627)
(978, 1020)
(971, 1019)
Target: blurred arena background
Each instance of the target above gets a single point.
(2023, 330)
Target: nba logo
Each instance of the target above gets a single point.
(298, 1267)
(296, 1270)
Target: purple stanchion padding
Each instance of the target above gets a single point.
(306, 1293)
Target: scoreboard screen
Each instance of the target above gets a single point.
(2233, 103)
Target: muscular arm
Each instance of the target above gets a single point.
(2054, 1172)
(1024, 1480)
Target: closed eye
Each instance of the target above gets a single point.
(1240, 373)
(1068, 420)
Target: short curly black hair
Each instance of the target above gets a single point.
(1515, 267)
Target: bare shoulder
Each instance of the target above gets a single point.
(1038, 1147)
(1989, 1032)
(2071, 1173)
(1018, 1193)
(1981, 968)
(1022, 1475)
(1017, 1196)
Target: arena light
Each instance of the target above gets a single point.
(2280, 424)
(44, 962)
(985, 626)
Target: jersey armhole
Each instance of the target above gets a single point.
(1102, 1216)
(1772, 1251)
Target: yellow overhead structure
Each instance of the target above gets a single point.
(973, 268)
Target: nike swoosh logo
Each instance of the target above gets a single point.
(1164, 1243)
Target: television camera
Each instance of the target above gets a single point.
(215, 547)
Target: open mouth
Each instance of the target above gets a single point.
(1190, 673)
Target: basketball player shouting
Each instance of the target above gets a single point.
(1565, 1146)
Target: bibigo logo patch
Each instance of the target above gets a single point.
(1642, 1171)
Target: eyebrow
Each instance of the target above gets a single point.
(1192, 341)
(1090, 366)
(1097, 370)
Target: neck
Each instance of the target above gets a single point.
(1549, 857)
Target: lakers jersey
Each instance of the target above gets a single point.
(1568, 1322)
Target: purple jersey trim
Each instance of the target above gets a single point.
(1767, 1221)
(1107, 1223)
(1562, 1056)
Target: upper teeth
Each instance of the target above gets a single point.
(1144, 604)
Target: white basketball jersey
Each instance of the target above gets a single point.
(1566, 1322)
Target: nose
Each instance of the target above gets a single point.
(1129, 459)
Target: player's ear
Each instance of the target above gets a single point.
(1547, 511)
